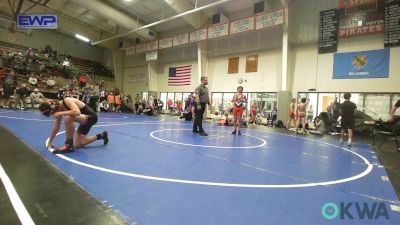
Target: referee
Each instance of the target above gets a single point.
(201, 100)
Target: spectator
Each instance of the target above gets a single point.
(8, 90)
(42, 67)
(36, 98)
(117, 99)
(187, 102)
(272, 117)
(20, 96)
(179, 106)
(104, 106)
(111, 100)
(151, 102)
(94, 97)
(51, 82)
(253, 112)
(101, 84)
(148, 111)
(33, 80)
(82, 81)
(83, 96)
(160, 105)
(60, 94)
(103, 95)
(393, 111)
(329, 109)
(2, 78)
(310, 114)
(170, 104)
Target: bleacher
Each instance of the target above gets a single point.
(46, 65)
(87, 66)
(53, 65)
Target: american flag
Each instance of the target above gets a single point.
(180, 75)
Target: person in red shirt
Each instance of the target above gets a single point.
(82, 81)
(239, 99)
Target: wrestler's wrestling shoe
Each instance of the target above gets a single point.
(66, 148)
(105, 137)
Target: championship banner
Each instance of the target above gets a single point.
(361, 65)
(360, 17)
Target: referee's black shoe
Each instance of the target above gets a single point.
(203, 134)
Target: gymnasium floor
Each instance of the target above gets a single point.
(155, 171)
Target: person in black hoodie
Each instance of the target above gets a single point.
(8, 90)
(20, 96)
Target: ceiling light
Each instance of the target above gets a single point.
(83, 38)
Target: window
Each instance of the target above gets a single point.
(216, 102)
(233, 65)
(377, 106)
(251, 63)
(163, 98)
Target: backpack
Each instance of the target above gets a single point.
(279, 124)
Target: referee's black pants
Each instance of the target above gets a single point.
(198, 121)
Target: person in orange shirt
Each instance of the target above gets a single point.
(111, 100)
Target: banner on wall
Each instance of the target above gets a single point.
(136, 78)
(392, 23)
(361, 65)
(153, 55)
(259, 21)
(328, 31)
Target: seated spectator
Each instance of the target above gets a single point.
(20, 96)
(74, 93)
(321, 124)
(36, 98)
(170, 104)
(42, 67)
(117, 99)
(51, 82)
(33, 80)
(272, 117)
(104, 106)
(160, 105)
(148, 111)
(83, 96)
(9, 74)
(227, 119)
(111, 100)
(73, 83)
(2, 78)
(179, 106)
(222, 119)
(101, 84)
(215, 119)
(60, 94)
(140, 108)
(187, 114)
(103, 95)
(230, 120)
(82, 81)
